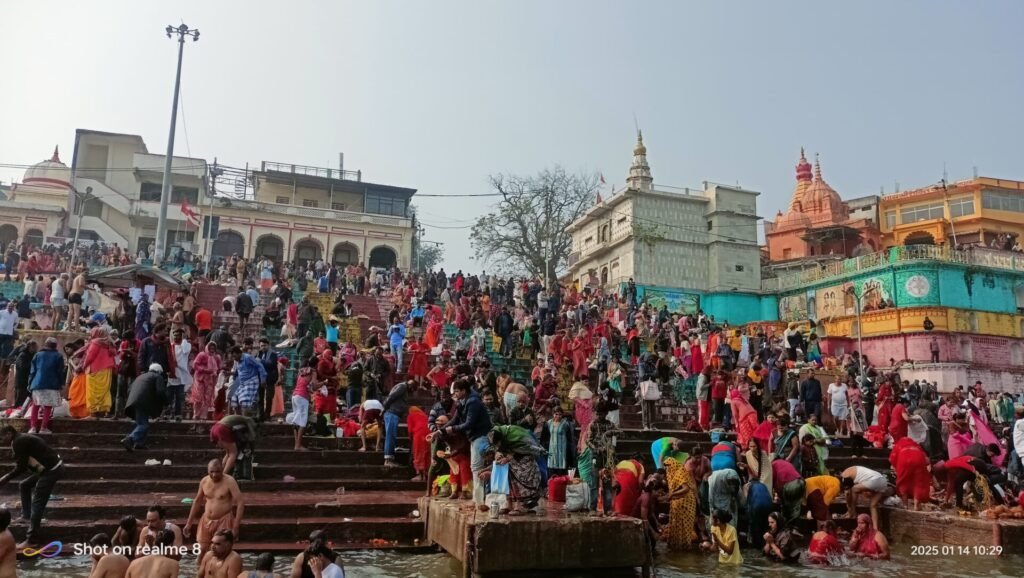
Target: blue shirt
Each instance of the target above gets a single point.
(249, 368)
(396, 335)
(253, 295)
(47, 370)
(332, 334)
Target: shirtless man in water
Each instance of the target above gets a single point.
(8, 552)
(108, 565)
(221, 501)
(156, 520)
(155, 565)
(75, 299)
(223, 561)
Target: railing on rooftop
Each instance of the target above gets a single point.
(974, 256)
(313, 171)
(318, 213)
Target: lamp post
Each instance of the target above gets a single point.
(860, 330)
(165, 192)
(78, 230)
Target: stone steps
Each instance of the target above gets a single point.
(257, 505)
(198, 442)
(194, 471)
(128, 484)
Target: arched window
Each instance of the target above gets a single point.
(345, 254)
(383, 257)
(8, 234)
(307, 250)
(270, 246)
(604, 233)
(604, 275)
(34, 237)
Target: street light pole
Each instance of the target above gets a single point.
(78, 230)
(165, 192)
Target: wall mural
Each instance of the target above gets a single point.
(677, 301)
(917, 288)
(874, 291)
(793, 307)
(835, 301)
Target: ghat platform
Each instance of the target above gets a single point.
(530, 545)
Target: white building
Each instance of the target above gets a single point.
(701, 240)
(34, 210)
(126, 182)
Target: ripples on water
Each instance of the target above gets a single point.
(380, 564)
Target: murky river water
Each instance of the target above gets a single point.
(378, 564)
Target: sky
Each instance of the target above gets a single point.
(438, 95)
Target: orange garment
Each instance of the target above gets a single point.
(416, 422)
(78, 404)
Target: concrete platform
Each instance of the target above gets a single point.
(948, 528)
(531, 545)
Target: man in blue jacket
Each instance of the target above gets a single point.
(474, 422)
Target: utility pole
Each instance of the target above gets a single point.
(207, 222)
(78, 230)
(165, 193)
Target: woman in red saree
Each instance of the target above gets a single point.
(883, 405)
(744, 415)
(555, 347)
(580, 369)
(913, 480)
(418, 361)
(898, 422)
(696, 356)
(327, 372)
(205, 369)
(825, 547)
(628, 474)
(868, 542)
(418, 432)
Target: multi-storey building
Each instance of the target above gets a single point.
(34, 210)
(686, 244)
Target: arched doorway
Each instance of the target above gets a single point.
(269, 246)
(8, 234)
(919, 238)
(308, 250)
(345, 254)
(383, 257)
(604, 275)
(34, 237)
(228, 243)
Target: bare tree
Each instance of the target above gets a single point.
(525, 233)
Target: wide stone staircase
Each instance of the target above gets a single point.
(332, 486)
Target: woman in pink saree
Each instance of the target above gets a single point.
(744, 415)
(205, 368)
(986, 437)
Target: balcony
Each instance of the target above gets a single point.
(975, 257)
(315, 213)
(309, 171)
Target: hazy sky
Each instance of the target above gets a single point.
(437, 95)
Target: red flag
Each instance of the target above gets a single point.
(602, 178)
(191, 215)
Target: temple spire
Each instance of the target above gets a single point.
(640, 172)
(56, 154)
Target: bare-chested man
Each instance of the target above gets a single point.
(156, 565)
(156, 521)
(105, 563)
(75, 299)
(8, 549)
(223, 561)
(221, 501)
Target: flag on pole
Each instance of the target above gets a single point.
(599, 200)
(602, 178)
(189, 212)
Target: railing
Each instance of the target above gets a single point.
(974, 256)
(316, 213)
(313, 171)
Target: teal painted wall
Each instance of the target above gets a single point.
(917, 287)
(987, 290)
(769, 308)
(736, 308)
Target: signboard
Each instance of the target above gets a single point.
(835, 301)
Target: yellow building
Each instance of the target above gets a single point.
(294, 212)
(977, 211)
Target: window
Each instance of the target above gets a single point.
(1001, 201)
(890, 219)
(382, 204)
(710, 225)
(337, 206)
(787, 253)
(961, 207)
(310, 203)
(282, 200)
(739, 268)
(150, 192)
(921, 213)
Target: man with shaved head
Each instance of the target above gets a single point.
(221, 503)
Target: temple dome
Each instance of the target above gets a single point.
(49, 173)
(821, 198)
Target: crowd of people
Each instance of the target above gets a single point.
(506, 438)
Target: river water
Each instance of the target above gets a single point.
(382, 564)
